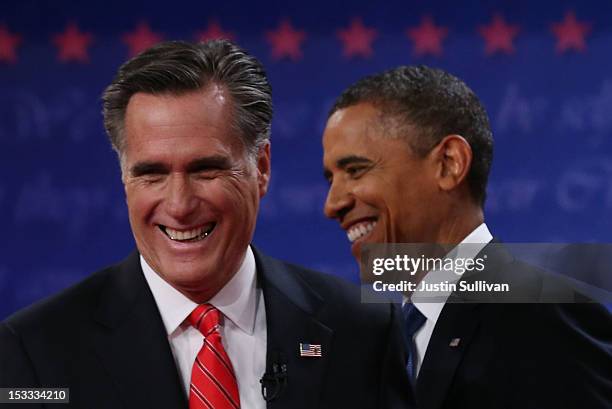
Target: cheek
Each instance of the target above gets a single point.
(239, 197)
(140, 202)
(367, 193)
(378, 195)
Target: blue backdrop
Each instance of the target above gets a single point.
(543, 70)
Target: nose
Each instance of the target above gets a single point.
(339, 201)
(181, 200)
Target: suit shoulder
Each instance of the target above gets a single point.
(68, 305)
(342, 298)
(323, 281)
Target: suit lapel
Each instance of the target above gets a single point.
(132, 342)
(454, 330)
(292, 311)
(453, 333)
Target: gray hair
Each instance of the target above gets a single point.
(176, 68)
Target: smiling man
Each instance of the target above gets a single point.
(407, 155)
(197, 317)
(192, 189)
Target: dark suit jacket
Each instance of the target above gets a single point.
(104, 339)
(519, 355)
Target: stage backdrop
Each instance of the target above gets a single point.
(543, 70)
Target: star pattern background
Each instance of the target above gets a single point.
(9, 42)
(141, 38)
(357, 39)
(499, 35)
(286, 41)
(72, 44)
(543, 70)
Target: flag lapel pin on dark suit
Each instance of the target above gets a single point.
(454, 343)
(310, 350)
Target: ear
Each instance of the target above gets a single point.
(263, 168)
(454, 156)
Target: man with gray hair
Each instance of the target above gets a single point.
(197, 316)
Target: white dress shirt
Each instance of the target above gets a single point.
(431, 310)
(243, 330)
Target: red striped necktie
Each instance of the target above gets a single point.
(213, 382)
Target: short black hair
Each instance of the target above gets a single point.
(436, 104)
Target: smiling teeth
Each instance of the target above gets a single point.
(360, 230)
(186, 235)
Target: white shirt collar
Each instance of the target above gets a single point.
(237, 300)
(431, 310)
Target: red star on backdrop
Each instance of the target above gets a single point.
(499, 35)
(286, 41)
(8, 45)
(570, 33)
(72, 44)
(214, 31)
(427, 37)
(357, 39)
(141, 38)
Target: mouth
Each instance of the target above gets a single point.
(190, 235)
(361, 230)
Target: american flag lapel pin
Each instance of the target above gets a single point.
(454, 342)
(313, 350)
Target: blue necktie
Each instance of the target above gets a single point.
(413, 321)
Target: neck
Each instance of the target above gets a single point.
(459, 224)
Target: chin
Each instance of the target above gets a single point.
(184, 274)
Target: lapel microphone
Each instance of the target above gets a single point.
(273, 383)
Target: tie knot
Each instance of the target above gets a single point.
(205, 318)
(413, 319)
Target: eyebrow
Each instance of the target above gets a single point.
(345, 161)
(209, 162)
(147, 168)
(197, 165)
(351, 160)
